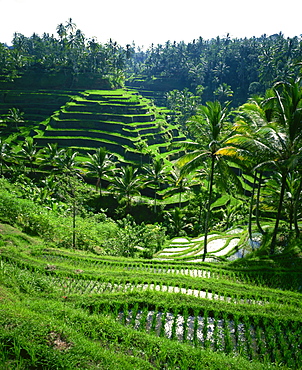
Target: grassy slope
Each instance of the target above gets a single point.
(59, 309)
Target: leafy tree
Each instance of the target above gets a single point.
(183, 104)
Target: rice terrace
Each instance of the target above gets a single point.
(150, 203)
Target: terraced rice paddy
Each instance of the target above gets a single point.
(115, 119)
(213, 305)
(191, 250)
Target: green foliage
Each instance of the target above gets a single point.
(25, 214)
(131, 239)
(223, 66)
(71, 54)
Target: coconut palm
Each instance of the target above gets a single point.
(155, 173)
(277, 141)
(49, 156)
(67, 165)
(61, 30)
(242, 147)
(66, 162)
(178, 184)
(28, 152)
(15, 116)
(126, 184)
(99, 165)
(208, 127)
(288, 137)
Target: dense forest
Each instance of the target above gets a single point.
(150, 193)
(221, 68)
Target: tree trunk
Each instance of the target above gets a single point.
(282, 191)
(206, 227)
(257, 204)
(251, 210)
(74, 225)
(296, 205)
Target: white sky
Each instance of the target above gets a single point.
(147, 21)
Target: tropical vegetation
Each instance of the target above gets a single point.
(150, 203)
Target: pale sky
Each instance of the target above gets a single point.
(152, 21)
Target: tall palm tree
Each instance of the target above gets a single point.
(68, 165)
(208, 127)
(99, 165)
(66, 162)
(61, 30)
(288, 97)
(278, 140)
(242, 146)
(70, 25)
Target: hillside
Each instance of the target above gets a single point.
(67, 309)
(122, 121)
(119, 120)
(134, 236)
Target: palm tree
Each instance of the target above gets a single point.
(208, 127)
(99, 165)
(66, 163)
(288, 136)
(15, 116)
(223, 92)
(277, 140)
(178, 184)
(29, 152)
(49, 156)
(242, 147)
(61, 30)
(155, 174)
(126, 184)
(70, 25)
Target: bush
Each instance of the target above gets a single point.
(89, 233)
(25, 214)
(131, 239)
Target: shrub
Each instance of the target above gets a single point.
(25, 214)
